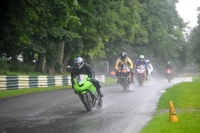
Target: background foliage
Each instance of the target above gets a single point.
(50, 34)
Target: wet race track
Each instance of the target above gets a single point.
(62, 111)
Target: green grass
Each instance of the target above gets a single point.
(109, 81)
(11, 93)
(186, 99)
(183, 95)
(196, 79)
(188, 123)
(187, 74)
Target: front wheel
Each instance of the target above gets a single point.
(125, 84)
(169, 78)
(87, 101)
(141, 79)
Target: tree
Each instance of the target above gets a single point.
(194, 42)
(36, 25)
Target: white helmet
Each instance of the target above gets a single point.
(147, 61)
(78, 62)
(168, 62)
(141, 57)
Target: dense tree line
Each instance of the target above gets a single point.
(194, 43)
(54, 32)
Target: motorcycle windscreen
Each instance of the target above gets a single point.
(140, 71)
(124, 68)
(141, 67)
(81, 79)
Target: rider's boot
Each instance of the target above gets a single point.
(146, 77)
(132, 80)
(99, 92)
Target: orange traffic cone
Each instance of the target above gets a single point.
(172, 113)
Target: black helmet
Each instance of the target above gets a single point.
(123, 55)
(78, 62)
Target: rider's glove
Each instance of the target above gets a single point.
(92, 79)
(133, 71)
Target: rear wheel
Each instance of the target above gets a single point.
(87, 101)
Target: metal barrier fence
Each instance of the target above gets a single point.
(17, 82)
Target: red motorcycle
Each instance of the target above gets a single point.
(141, 74)
(168, 74)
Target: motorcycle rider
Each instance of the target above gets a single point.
(128, 61)
(83, 68)
(141, 61)
(149, 66)
(169, 66)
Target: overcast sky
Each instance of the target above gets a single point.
(187, 9)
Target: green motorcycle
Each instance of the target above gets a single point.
(87, 92)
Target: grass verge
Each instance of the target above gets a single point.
(11, 93)
(109, 81)
(185, 97)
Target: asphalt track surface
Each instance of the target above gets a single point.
(61, 111)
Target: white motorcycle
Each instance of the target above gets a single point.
(150, 72)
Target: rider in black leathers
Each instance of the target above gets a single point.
(169, 66)
(83, 68)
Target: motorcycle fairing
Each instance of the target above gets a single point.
(82, 84)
